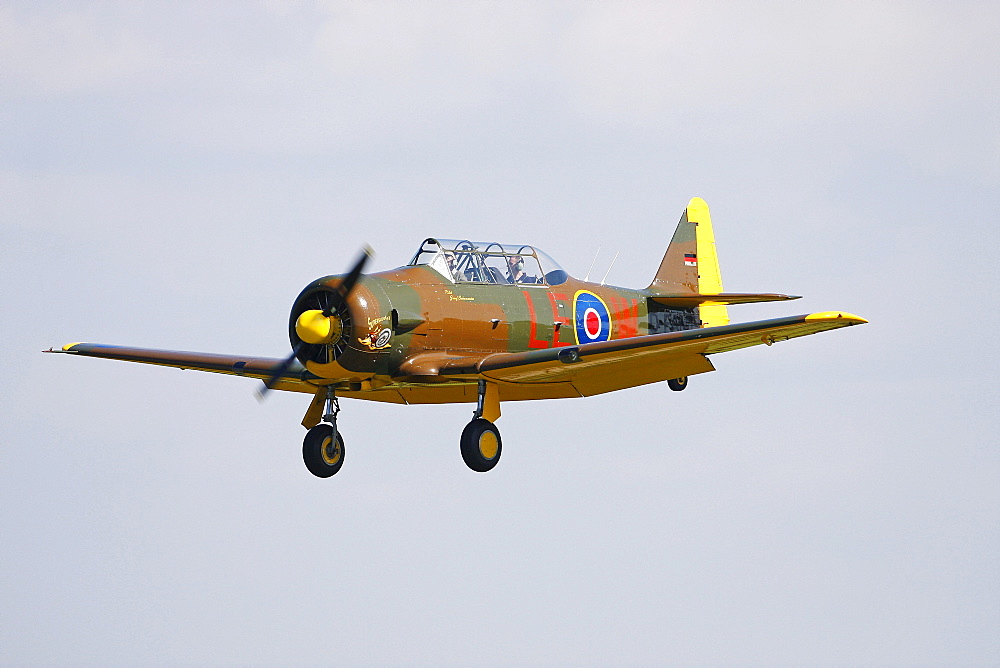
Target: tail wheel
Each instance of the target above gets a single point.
(677, 384)
(481, 445)
(323, 451)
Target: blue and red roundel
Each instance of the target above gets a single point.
(592, 318)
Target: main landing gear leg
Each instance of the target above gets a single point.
(323, 447)
(481, 443)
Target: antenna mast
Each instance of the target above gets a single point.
(609, 268)
(592, 263)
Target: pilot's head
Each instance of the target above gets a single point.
(515, 263)
(450, 258)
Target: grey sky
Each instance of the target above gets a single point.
(172, 174)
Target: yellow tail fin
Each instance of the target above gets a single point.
(691, 264)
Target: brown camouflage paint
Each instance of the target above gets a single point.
(474, 319)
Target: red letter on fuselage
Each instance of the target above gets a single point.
(556, 318)
(533, 342)
(626, 316)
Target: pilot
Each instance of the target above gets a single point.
(515, 270)
(450, 259)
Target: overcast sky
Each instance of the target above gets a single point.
(172, 174)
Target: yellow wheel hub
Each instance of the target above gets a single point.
(488, 445)
(331, 451)
(314, 327)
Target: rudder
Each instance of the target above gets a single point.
(691, 265)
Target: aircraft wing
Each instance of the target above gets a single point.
(595, 368)
(253, 367)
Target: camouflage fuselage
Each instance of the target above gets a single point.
(403, 320)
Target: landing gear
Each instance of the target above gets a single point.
(323, 446)
(481, 444)
(323, 451)
(677, 384)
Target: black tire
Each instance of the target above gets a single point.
(678, 384)
(481, 445)
(323, 456)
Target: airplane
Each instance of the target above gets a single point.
(486, 323)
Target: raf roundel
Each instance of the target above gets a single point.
(592, 318)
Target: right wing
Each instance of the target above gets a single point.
(594, 368)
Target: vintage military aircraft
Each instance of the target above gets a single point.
(480, 322)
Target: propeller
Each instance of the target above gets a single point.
(320, 326)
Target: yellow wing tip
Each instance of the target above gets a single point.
(837, 315)
(67, 347)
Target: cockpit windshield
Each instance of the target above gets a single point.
(489, 262)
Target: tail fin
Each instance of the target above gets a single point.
(691, 266)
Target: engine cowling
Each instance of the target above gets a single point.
(341, 338)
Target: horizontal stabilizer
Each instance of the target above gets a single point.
(688, 300)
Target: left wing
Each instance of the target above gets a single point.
(594, 368)
(295, 379)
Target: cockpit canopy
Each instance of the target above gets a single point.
(489, 262)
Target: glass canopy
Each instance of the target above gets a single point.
(489, 262)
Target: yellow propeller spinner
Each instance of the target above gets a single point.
(313, 326)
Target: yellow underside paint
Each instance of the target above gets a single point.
(709, 275)
(315, 411)
(488, 445)
(334, 370)
(491, 403)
